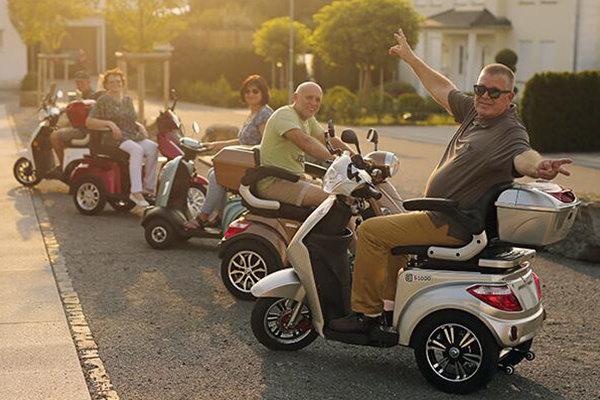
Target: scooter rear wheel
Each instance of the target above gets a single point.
(270, 324)
(89, 195)
(196, 196)
(121, 206)
(25, 173)
(455, 352)
(244, 263)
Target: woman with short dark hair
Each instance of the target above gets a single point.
(255, 93)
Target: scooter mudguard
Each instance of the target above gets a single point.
(232, 211)
(200, 180)
(281, 284)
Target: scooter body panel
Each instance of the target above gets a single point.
(281, 284)
(232, 211)
(262, 230)
(422, 292)
(107, 170)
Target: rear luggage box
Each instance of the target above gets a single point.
(231, 164)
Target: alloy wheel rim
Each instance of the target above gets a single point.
(159, 234)
(245, 269)
(453, 352)
(195, 200)
(25, 171)
(88, 196)
(277, 318)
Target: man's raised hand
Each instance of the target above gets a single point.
(402, 49)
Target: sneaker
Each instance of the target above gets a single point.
(354, 323)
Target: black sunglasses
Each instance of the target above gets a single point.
(494, 92)
(253, 91)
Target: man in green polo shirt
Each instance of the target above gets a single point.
(290, 133)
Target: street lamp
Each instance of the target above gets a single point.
(291, 61)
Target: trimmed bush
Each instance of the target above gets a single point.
(29, 82)
(217, 93)
(432, 107)
(378, 106)
(279, 98)
(507, 57)
(561, 111)
(340, 104)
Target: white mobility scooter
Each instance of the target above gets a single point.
(466, 311)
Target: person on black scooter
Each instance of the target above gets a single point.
(291, 132)
(490, 147)
(115, 111)
(61, 138)
(255, 93)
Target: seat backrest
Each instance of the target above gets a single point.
(487, 210)
(98, 148)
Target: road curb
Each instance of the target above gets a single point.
(94, 371)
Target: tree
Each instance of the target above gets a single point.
(509, 58)
(232, 17)
(141, 24)
(272, 42)
(44, 22)
(359, 32)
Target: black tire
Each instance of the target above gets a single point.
(121, 206)
(89, 195)
(160, 234)
(196, 197)
(24, 173)
(244, 263)
(272, 334)
(466, 368)
(515, 357)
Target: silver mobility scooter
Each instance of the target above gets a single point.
(466, 311)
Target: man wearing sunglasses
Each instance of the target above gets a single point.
(490, 147)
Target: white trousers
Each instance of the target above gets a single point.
(137, 151)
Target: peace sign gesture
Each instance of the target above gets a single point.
(402, 49)
(549, 169)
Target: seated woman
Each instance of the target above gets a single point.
(115, 111)
(255, 94)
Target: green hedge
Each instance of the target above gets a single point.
(562, 111)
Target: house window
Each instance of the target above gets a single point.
(525, 64)
(1, 39)
(547, 55)
(461, 55)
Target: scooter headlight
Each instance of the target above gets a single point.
(392, 164)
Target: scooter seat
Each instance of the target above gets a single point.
(287, 211)
(98, 148)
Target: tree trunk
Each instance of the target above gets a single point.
(273, 75)
(381, 85)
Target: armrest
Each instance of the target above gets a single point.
(254, 175)
(314, 170)
(468, 219)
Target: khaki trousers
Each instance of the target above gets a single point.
(375, 270)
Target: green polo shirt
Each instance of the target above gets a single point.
(276, 150)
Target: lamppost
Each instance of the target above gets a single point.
(291, 60)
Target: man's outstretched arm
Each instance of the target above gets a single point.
(436, 84)
(531, 164)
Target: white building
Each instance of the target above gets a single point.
(88, 34)
(459, 37)
(13, 53)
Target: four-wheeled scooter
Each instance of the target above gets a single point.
(36, 161)
(466, 311)
(163, 222)
(254, 245)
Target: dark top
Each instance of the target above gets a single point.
(121, 113)
(479, 156)
(250, 134)
(92, 95)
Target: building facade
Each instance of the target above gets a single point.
(13, 53)
(459, 37)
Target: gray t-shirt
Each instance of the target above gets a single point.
(479, 156)
(250, 134)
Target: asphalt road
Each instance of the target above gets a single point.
(168, 329)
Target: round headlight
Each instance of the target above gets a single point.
(392, 163)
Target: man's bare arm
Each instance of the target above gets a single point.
(308, 144)
(531, 164)
(436, 84)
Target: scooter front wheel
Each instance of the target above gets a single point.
(196, 196)
(160, 234)
(272, 324)
(455, 352)
(25, 173)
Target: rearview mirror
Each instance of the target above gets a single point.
(59, 94)
(349, 136)
(373, 137)
(196, 127)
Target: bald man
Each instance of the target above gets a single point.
(291, 133)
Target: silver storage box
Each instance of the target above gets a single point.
(536, 214)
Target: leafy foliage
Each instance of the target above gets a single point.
(141, 24)
(340, 104)
(272, 40)
(44, 22)
(560, 111)
(509, 58)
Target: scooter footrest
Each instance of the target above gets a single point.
(376, 337)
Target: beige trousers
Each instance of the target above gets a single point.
(374, 272)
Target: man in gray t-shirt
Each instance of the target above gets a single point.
(490, 147)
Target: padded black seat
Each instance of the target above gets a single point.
(97, 148)
(481, 217)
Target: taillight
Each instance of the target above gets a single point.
(497, 296)
(236, 227)
(538, 286)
